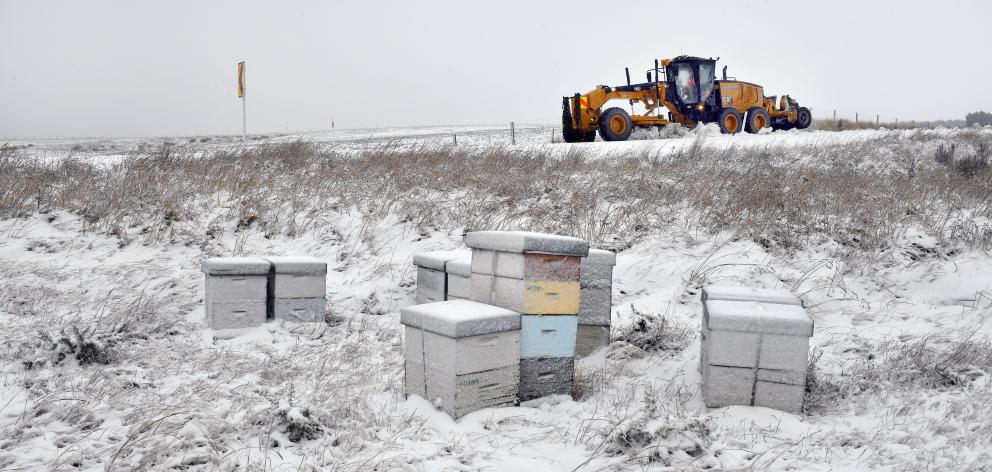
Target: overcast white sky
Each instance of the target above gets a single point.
(139, 68)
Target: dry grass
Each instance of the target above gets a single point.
(932, 362)
(285, 189)
(841, 124)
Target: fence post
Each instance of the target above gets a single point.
(876, 121)
(552, 135)
(855, 117)
(454, 138)
(835, 115)
(513, 134)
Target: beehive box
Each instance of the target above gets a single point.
(432, 283)
(589, 338)
(543, 336)
(596, 299)
(459, 279)
(530, 273)
(235, 292)
(541, 377)
(754, 352)
(297, 288)
(469, 353)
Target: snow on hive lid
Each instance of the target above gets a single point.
(437, 259)
(462, 267)
(764, 295)
(234, 266)
(601, 257)
(755, 317)
(460, 318)
(525, 241)
(297, 265)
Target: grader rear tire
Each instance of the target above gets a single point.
(757, 118)
(615, 125)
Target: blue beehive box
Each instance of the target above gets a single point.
(544, 336)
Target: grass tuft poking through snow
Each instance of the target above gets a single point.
(652, 332)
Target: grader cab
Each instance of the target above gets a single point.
(688, 89)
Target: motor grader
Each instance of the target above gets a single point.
(687, 87)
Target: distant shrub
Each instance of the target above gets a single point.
(980, 118)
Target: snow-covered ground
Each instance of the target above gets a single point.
(107, 364)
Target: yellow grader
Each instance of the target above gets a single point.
(687, 87)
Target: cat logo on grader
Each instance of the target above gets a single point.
(687, 87)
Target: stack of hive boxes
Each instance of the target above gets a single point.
(235, 292)
(538, 276)
(755, 348)
(432, 279)
(462, 355)
(297, 288)
(596, 301)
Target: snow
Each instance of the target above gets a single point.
(764, 295)
(177, 395)
(600, 257)
(461, 318)
(297, 264)
(235, 265)
(761, 317)
(437, 259)
(525, 241)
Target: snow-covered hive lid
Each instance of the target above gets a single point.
(460, 318)
(600, 257)
(461, 267)
(756, 317)
(526, 241)
(764, 295)
(303, 265)
(234, 266)
(437, 259)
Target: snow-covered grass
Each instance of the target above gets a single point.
(107, 364)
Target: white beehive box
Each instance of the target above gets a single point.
(466, 352)
(297, 288)
(459, 274)
(432, 283)
(235, 292)
(596, 299)
(754, 352)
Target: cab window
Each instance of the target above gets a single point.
(705, 81)
(685, 84)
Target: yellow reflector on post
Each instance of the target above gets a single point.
(241, 79)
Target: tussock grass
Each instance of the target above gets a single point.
(935, 361)
(653, 332)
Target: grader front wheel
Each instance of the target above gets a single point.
(730, 121)
(615, 125)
